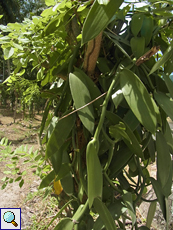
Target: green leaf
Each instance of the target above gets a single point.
(20, 73)
(151, 213)
(104, 2)
(147, 29)
(52, 26)
(56, 159)
(46, 112)
(8, 52)
(66, 175)
(131, 120)
(160, 196)
(47, 180)
(94, 171)
(18, 178)
(138, 46)
(104, 214)
(21, 183)
(131, 141)
(93, 89)
(164, 165)
(127, 198)
(165, 102)
(65, 224)
(118, 131)
(40, 74)
(50, 2)
(169, 83)
(78, 85)
(116, 210)
(17, 46)
(98, 18)
(68, 184)
(136, 23)
(168, 53)
(63, 171)
(168, 135)
(60, 134)
(119, 161)
(138, 99)
(117, 97)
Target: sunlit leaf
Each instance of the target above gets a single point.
(8, 52)
(138, 99)
(165, 102)
(104, 214)
(98, 18)
(78, 84)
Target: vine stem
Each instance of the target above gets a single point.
(104, 106)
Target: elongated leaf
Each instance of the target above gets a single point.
(49, 2)
(93, 89)
(138, 46)
(138, 99)
(131, 120)
(117, 97)
(147, 29)
(168, 135)
(116, 209)
(94, 171)
(66, 175)
(47, 180)
(151, 213)
(67, 184)
(160, 196)
(56, 160)
(104, 2)
(52, 26)
(133, 144)
(169, 83)
(65, 224)
(164, 165)
(127, 198)
(98, 18)
(59, 134)
(119, 46)
(81, 97)
(165, 103)
(136, 23)
(168, 53)
(152, 149)
(119, 161)
(104, 214)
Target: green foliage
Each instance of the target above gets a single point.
(107, 126)
(27, 157)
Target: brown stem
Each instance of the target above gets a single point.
(92, 54)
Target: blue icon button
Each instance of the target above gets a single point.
(10, 218)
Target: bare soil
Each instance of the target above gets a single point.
(21, 132)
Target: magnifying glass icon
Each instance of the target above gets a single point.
(9, 217)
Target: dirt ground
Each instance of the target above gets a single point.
(21, 132)
(24, 132)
